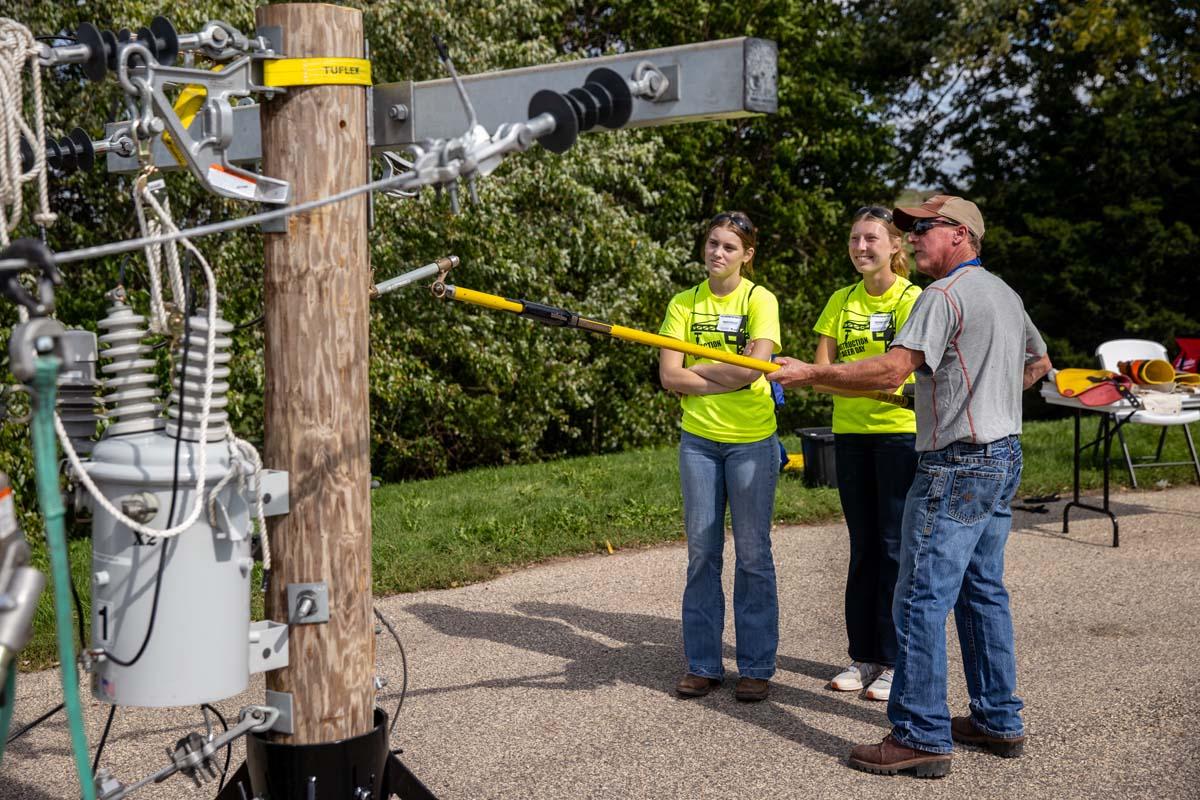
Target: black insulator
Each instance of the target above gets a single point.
(71, 153)
(85, 152)
(26, 154)
(53, 153)
(618, 89)
(589, 105)
(99, 58)
(577, 110)
(160, 40)
(166, 41)
(67, 155)
(603, 100)
(66, 161)
(566, 121)
(110, 45)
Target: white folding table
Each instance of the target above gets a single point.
(1113, 416)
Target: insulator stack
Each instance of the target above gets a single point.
(77, 385)
(67, 155)
(185, 415)
(605, 99)
(133, 400)
(99, 48)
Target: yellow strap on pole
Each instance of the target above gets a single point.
(317, 72)
(652, 339)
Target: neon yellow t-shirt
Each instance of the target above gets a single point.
(726, 323)
(863, 326)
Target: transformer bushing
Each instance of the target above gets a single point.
(77, 386)
(197, 639)
(185, 414)
(133, 399)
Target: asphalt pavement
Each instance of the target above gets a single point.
(557, 681)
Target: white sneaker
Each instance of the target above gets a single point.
(856, 676)
(881, 687)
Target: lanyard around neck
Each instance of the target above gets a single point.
(974, 262)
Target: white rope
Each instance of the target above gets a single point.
(205, 408)
(18, 49)
(158, 314)
(152, 228)
(256, 463)
(242, 458)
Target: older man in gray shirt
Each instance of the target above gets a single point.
(973, 349)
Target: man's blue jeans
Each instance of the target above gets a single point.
(956, 522)
(744, 475)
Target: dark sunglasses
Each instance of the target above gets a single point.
(741, 222)
(924, 226)
(878, 212)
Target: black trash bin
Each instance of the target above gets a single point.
(820, 465)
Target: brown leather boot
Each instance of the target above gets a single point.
(890, 757)
(964, 730)
(751, 690)
(695, 685)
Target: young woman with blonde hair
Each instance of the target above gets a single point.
(874, 445)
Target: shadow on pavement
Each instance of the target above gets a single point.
(648, 655)
(15, 789)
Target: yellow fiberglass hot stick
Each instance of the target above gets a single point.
(558, 317)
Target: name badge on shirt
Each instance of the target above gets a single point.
(729, 323)
(881, 321)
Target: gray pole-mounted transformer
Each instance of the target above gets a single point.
(171, 615)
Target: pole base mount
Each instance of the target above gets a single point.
(361, 767)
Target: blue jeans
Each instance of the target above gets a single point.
(744, 475)
(874, 472)
(956, 523)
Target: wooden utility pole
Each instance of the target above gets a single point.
(316, 422)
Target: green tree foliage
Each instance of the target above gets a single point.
(609, 230)
(1079, 123)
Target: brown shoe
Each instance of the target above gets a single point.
(890, 757)
(964, 730)
(752, 690)
(695, 685)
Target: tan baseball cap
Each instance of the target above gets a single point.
(964, 212)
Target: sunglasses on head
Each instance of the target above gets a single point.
(924, 226)
(741, 222)
(878, 212)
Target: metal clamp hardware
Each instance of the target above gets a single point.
(307, 603)
(192, 755)
(439, 268)
(275, 496)
(205, 156)
(140, 507)
(283, 702)
(268, 646)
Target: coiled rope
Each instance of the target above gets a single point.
(18, 50)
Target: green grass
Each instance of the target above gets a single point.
(474, 525)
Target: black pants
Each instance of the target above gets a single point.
(874, 472)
